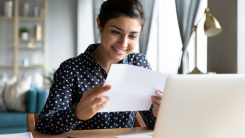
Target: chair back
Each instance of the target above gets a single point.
(139, 122)
(32, 119)
(31, 122)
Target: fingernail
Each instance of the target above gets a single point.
(108, 98)
(158, 92)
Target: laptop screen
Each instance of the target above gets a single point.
(202, 106)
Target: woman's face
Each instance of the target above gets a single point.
(119, 37)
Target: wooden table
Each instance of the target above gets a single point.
(97, 133)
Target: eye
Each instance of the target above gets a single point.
(115, 32)
(133, 36)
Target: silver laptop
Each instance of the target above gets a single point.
(202, 106)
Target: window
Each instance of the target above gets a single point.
(164, 51)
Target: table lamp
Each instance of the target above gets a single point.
(211, 28)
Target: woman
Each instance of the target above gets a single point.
(74, 100)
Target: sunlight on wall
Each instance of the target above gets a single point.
(240, 37)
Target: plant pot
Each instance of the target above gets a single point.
(24, 35)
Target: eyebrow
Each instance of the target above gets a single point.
(123, 30)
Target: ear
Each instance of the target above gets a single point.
(98, 24)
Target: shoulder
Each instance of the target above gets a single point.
(69, 67)
(138, 59)
(72, 62)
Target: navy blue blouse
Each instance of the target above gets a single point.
(75, 76)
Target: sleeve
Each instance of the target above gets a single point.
(148, 117)
(57, 115)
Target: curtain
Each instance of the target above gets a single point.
(96, 11)
(148, 6)
(186, 14)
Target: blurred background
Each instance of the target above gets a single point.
(68, 27)
(36, 36)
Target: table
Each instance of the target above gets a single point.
(97, 133)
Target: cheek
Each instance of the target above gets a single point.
(132, 45)
(108, 39)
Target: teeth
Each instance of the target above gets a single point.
(119, 50)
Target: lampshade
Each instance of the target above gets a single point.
(211, 25)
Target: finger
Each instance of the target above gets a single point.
(155, 99)
(100, 100)
(159, 94)
(156, 105)
(100, 91)
(101, 106)
(95, 88)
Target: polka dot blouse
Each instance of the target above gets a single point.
(75, 76)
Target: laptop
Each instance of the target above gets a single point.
(202, 106)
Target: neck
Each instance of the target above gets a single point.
(102, 58)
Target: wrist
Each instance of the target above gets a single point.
(78, 117)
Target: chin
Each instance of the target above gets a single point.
(118, 58)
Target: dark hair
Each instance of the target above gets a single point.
(114, 8)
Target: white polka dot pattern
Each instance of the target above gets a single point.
(75, 76)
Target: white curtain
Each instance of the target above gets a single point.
(85, 25)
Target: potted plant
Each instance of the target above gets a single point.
(50, 79)
(24, 33)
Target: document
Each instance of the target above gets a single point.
(149, 135)
(132, 87)
(17, 135)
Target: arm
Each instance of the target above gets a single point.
(150, 120)
(57, 115)
(65, 108)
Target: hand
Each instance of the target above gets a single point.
(156, 100)
(91, 102)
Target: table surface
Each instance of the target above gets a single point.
(96, 133)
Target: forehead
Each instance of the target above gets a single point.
(124, 22)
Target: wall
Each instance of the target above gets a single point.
(222, 49)
(61, 37)
(61, 31)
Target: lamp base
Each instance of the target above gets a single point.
(196, 71)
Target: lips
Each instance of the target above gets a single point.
(119, 51)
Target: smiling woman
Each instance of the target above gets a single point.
(119, 38)
(75, 97)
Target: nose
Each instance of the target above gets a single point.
(123, 41)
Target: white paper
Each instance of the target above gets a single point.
(17, 135)
(132, 87)
(148, 135)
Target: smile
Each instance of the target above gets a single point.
(119, 51)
